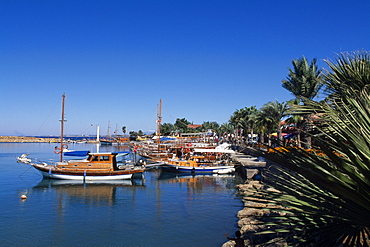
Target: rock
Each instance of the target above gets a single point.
(246, 212)
(251, 217)
(248, 221)
(248, 229)
(248, 203)
(231, 243)
(250, 225)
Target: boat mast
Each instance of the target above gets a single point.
(159, 120)
(108, 132)
(97, 132)
(62, 129)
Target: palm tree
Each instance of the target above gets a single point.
(236, 119)
(348, 70)
(275, 111)
(210, 126)
(304, 82)
(225, 128)
(252, 120)
(264, 122)
(325, 193)
(242, 119)
(295, 118)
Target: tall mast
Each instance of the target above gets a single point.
(62, 129)
(97, 132)
(108, 132)
(159, 120)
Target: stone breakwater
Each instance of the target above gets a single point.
(252, 217)
(254, 214)
(26, 139)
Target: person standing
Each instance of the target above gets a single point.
(239, 242)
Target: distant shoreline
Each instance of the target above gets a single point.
(28, 139)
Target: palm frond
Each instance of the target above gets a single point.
(324, 193)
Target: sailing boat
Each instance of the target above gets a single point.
(97, 166)
(157, 152)
(108, 140)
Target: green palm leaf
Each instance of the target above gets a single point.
(323, 195)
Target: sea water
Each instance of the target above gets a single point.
(155, 209)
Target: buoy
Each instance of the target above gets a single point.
(23, 196)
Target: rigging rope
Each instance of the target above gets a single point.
(37, 133)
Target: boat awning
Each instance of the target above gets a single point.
(168, 139)
(212, 150)
(76, 153)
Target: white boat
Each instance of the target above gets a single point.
(224, 148)
(225, 171)
(196, 164)
(97, 166)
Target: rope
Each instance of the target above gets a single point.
(47, 118)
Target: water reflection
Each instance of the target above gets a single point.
(197, 183)
(95, 193)
(142, 212)
(175, 176)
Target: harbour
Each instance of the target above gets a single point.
(152, 209)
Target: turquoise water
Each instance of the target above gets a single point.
(157, 209)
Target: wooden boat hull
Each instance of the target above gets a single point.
(49, 171)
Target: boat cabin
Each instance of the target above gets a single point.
(192, 161)
(99, 161)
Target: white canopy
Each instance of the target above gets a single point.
(213, 150)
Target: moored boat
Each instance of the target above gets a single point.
(97, 166)
(196, 164)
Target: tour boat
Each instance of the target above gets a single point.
(196, 164)
(97, 166)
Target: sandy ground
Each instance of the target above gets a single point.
(26, 139)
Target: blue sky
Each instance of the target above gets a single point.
(116, 59)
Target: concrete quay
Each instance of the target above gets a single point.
(247, 165)
(248, 161)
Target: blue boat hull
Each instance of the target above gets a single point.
(198, 170)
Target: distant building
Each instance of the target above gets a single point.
(194, 126)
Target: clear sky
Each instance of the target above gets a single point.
(115, 59)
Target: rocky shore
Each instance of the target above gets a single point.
(252, 217)
(254, 214)
(26, 139)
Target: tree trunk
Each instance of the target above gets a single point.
(269, 138)
(307, 127)
(251, 135)
(262, 137)
(280, 136)
(299, 138)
